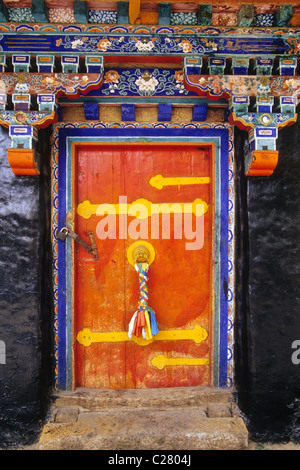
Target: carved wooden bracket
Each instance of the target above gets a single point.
(24, 162)
(261, 162)
(264, 120)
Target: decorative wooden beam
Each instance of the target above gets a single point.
(23, 122)
(187, 42)
(69, 84)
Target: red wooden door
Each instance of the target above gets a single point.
(179, 280)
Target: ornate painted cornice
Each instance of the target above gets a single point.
(155, 41)
(226, 86)
(266, 117)
(254, 70)
(190, 12)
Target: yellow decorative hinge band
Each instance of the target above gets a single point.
(159, 181)
(162, 361)
(142, 208)
(86, 337)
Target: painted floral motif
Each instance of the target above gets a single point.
(172, 43)
(77, 43)
(127, 44)
(211, 45)
(264, 19)
(144, 83)
(61, 15)
(179, 77)
(103, 45)
(20, 15)
(183, 18)
(112, 78)
(294, 44)
(103, 17)
(263, 87)
(144, 45)
(50, 82)
(22, 87)
(224, 19)
(186, 46)
(291, 84)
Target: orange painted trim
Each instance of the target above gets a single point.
(23, 162)
(263, 163)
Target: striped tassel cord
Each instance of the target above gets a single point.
(143, 322)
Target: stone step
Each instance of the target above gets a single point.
(192, 418)
(145, 429)
(93, 399)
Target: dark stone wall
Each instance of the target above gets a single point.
(25, 298)
(268, 292)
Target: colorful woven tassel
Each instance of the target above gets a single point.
(154, 328)
(143, 322)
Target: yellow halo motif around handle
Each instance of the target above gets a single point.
(140, 246)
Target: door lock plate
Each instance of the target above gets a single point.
(68, 232)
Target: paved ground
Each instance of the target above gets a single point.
(270, 446)
(252, 446)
